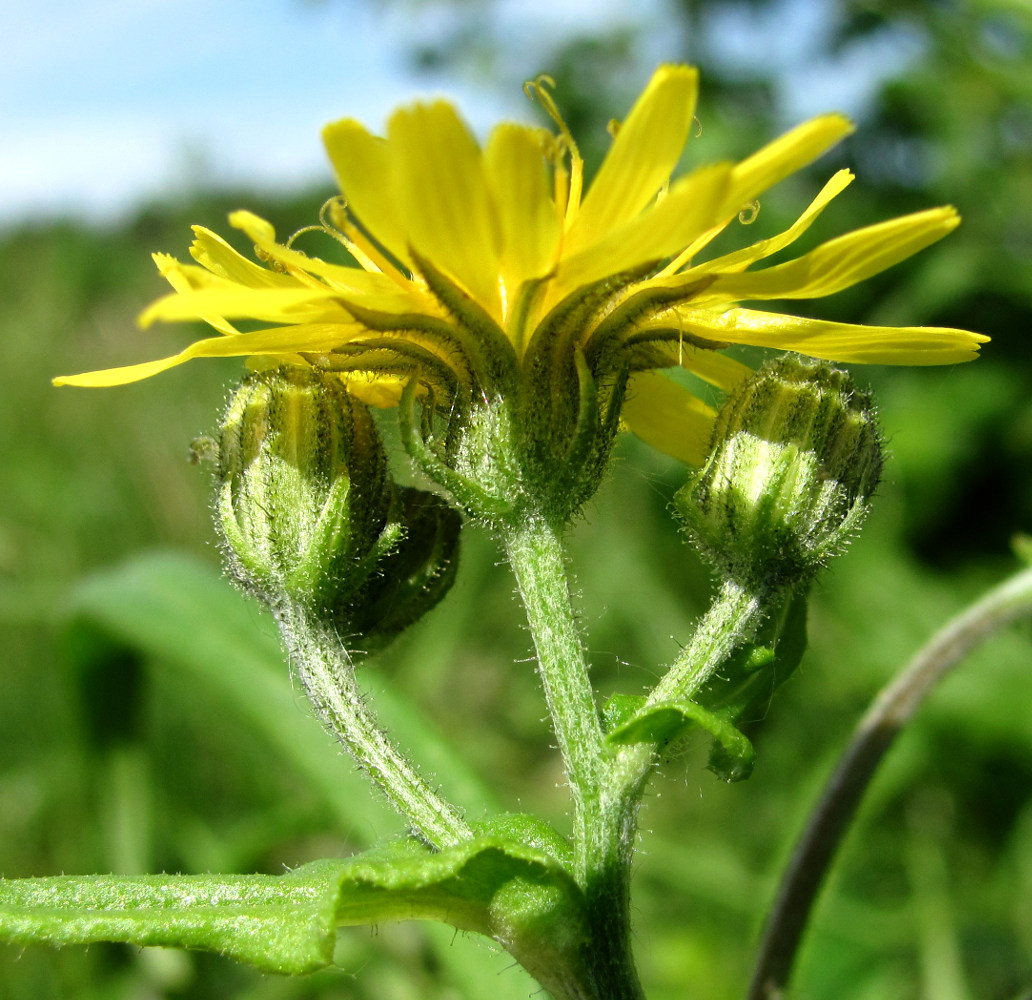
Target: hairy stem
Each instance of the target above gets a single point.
(536, 554)
(328, 676)
(603, 836)
(732, 619)
(875, 733)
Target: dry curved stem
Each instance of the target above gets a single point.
(875, 733)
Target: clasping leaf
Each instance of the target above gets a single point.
(518, 895)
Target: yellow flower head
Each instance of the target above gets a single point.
(485, 270)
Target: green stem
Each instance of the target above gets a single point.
(536, 554)
(603, 838)
(328, 677)
(607, 786)
(731, 620)
(873, 736)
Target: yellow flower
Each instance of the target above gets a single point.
(476, 268)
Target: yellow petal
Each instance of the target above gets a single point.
(668, 417)
(709, 364)
(442, 194)
(381, 391)
(342, 278)
(212, 252)
(280, 341)
(182, 277)
(271, 305)
(643, 156)
(521, 192)
(687, 210)
(187, 279)
(847, 342)
(843, 261)
(741, 259)
(363, 165)
(784, 156)
(108, 377)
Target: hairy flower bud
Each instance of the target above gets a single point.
(310, 516)
(796, 455)
(413, 575)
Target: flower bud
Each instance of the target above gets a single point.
(796, 455)
(414, 575)
(310, 517)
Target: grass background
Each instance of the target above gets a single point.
(120, 753)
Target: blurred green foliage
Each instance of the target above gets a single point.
(118, 754)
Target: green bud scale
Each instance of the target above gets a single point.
(796, 455)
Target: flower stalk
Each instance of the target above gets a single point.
(328, 676)
(603, 836)
(732, 620)
(536, 554)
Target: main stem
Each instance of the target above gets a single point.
(328, 676)
(607, 787)
(603, 837)
(536, 554)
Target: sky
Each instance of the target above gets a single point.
(106, 104)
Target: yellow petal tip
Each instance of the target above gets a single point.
(840, 122)
(682, 70)
(341, 127)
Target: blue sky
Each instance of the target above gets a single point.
(107, 103)
(113, 100)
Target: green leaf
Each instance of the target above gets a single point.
(518, 895)
(277, 923)
(531, 831)
(619, 708)
(671, 720)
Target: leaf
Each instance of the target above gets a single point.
(518, 895)
(531, 831)
(619, 708)
(275, 923)
(667, 721)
